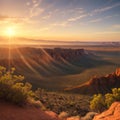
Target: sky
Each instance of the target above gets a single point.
(79, 20)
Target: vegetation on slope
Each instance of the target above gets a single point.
(72, 104)
(12, 88)
(101, 102)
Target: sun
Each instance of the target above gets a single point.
(10, 31)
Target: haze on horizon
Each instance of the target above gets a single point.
(81, 20)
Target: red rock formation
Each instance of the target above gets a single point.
(66, 54)
(102, 84)
(117, 72)
(113, 113)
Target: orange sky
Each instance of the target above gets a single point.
(61, 19)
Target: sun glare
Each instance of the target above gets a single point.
(10, 32)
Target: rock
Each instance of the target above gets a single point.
(52, 114)
(96, 85)
(63, 115)
(117, 72)
(89, 116)
(61, 54)
(113, 113)
(74, 118)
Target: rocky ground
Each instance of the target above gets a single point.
(12, 112)
(73, 104)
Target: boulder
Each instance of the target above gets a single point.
(89, 116)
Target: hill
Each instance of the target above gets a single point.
(102, 84)
(43, 61)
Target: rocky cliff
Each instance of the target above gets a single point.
(67, 54)
(102, 84)
(113, 113)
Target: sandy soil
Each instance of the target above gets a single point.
(13, 112)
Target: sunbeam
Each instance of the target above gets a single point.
(27, 63)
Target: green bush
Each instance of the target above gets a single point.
(98, 103)
(101, 102)
(112, 97)
(12, 87)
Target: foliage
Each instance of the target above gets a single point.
(97, 103)
(101, 102)
(114, 96)
(12, 87)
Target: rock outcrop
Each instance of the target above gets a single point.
(65, 54)
(113, 113)
(102, 84)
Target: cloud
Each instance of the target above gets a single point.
(76, 18)
(103, 18)
(73, 11)
(93, 12)
(44, 29)
(65, 15)
(36, 10)
(99, 10)
(14, 20)
(34, 1)
(28, 3)
(96, 20)
(116, 26)
(62, 24)
(45, 17)
(108, 32)
(3, 17)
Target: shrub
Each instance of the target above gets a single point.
(39, 93)
(12, 88)
(98, 103)
(114, 96)
(101, 102)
